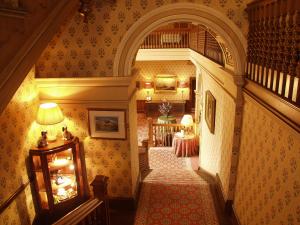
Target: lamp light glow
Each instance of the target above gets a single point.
(49, 114)
(148, 85)
(187, 122)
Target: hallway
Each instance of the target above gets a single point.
(173, 193)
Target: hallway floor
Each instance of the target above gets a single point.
(174, 193)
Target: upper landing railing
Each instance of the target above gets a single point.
(273, 47)
(196, 38)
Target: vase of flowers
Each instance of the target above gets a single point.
(165, 108)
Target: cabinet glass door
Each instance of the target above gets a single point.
(62, 175)
(40, 184)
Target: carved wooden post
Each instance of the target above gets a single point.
(150, 133)
(100, 191)
(268, 69)
(294, 27)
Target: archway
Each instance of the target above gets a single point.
(199, 14)
(189, 12)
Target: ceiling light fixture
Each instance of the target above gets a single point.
(85, 9)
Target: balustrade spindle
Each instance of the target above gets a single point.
(273, 47)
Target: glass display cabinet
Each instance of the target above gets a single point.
(59, 177)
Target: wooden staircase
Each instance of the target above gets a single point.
(26, 27)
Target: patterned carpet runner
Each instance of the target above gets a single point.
(173, 194)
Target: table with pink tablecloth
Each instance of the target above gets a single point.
(185, 146)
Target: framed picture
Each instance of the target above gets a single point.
(210, 111)
(165, 83)
(107, 123)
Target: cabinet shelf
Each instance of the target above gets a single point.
(60, 164)
(67, 182)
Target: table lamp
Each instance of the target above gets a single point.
(49, 114)
(187, 122)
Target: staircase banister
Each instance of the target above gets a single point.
(14, 70)
(79, 213)
(18, 13)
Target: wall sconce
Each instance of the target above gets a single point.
(148, 86)
(49, 114)
(182, 85)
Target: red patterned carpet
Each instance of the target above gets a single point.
(173, 194)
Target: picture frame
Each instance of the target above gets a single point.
(107, 123)
(210, 111)
(165, 83)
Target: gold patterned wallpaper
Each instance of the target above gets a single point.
(268, 181)
(106, 157)
(88, 50)
(18, 132)
(216, 149)
(149, 69)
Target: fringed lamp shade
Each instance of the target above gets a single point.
(49, 114)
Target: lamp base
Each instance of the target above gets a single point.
(51, 138)
(51, 133)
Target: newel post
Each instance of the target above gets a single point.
(150, 132)
(99, 185)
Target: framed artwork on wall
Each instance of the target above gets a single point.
(165, 83)
(210, 111)
(107, 123)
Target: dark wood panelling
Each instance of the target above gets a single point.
(140, 106)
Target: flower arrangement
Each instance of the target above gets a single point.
(165, 108)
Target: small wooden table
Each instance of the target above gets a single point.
(185, 146)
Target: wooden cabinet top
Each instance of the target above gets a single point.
(59, 143)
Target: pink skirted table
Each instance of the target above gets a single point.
(185, 146)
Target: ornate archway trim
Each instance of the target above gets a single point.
(189, 12)
(200, 14)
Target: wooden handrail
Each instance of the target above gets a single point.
(162, 134)
(7, 203)
(168, 125)
(196, 38)
(86, 211)
(92, 212)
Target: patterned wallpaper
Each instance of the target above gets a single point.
(18, 132)
(88, 50)
(106, 157)
(268, 181)
(216, 149)
(149, 69)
